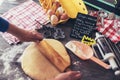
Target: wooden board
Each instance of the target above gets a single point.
(38, 66)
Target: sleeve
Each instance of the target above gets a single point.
(3, 25)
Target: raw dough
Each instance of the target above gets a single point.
(35, 64)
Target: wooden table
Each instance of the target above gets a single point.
(89, 69)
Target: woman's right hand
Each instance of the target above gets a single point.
(70, 75)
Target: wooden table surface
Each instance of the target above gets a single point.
(89, 69)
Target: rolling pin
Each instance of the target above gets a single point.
(53, 56)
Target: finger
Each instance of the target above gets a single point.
(74, 72)
(37, 41)
(37, 36)
(76, 75)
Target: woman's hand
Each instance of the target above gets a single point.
(70, 75)
(24, 35)
(30, 36)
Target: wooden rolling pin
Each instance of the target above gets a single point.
(53, 56)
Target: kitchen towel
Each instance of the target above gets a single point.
(110, 27)
(27, 16)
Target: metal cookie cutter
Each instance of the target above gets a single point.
(102, 15)
(59, 34)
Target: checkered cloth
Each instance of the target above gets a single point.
(27, 16)
(111, 28)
